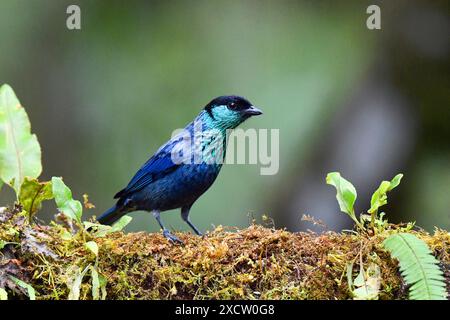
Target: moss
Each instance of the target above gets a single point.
(253, 263)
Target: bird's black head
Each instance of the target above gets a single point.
(230, 111)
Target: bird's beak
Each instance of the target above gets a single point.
(253, 111)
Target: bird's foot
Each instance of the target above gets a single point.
(199, 234)
(171, 237)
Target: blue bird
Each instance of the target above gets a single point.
(185, 167)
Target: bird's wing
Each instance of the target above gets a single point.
(159, 165)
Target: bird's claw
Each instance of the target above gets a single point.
(171, 237)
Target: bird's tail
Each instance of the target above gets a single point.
(111, 215)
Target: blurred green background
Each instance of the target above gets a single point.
(367, 103)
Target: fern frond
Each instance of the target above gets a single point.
(419, 268)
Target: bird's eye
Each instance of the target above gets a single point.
(232, 106)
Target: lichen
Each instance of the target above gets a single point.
(252, 263)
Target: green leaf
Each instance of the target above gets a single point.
(346, 194)
(102, 282)
(32, 193)
(20, 153)
(419, 268)
(3, 294)
(95, 283)
(121, 223)
(396, 181)
(92, 246)
(4, 243)
(75, 284)
(350, 275)
(100, 230)
(30, 289)
(367, 283)
(63, 198)
(379, 197)
(66, 235)
(359, 280)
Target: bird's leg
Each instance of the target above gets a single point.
(185, 217)
(166, 233)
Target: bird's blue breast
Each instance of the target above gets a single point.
(177, 189)
(162, 184)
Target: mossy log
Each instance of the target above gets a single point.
(253, 263)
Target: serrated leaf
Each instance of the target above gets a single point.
(419, 268)
(20, 153)
(120, 224)
(30, 290)
(92, 246)
(33, 193)
(379, 197)
(64, 201)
